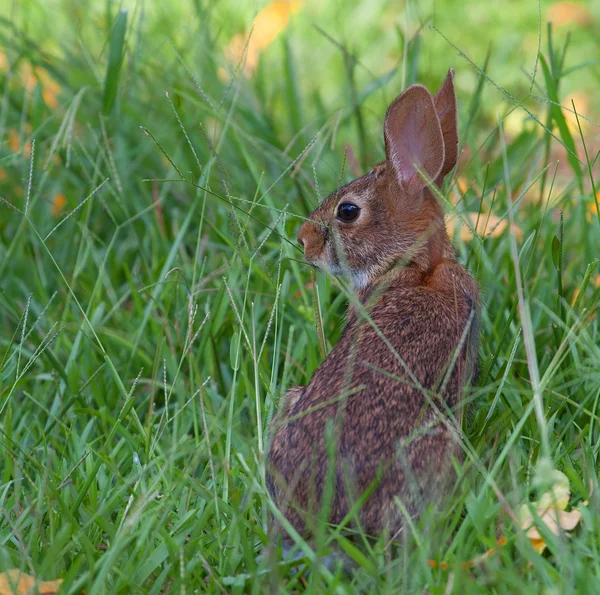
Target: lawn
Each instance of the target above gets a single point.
(156, 160)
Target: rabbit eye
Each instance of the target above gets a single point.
(347, 212)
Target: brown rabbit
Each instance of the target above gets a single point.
(378, 420)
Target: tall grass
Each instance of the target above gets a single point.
(154, 306)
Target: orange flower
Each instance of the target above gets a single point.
(593, 209)
(50, 88)
(475, 561)
(14, 143)
(13, 140)
(28, 78)
(31, 77)
(58, 204)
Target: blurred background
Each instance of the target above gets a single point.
(301, 66)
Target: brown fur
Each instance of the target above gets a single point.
(375, 415)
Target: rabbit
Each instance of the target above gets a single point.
(374, 420)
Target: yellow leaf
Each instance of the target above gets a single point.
(268, 24)
(4, 65)
(462, 184)
(569, 13)
(15, 582)
(574, 298)
(514, 123)
(559, 495)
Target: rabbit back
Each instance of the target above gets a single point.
(383, 404)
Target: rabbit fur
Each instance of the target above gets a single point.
(380, 420)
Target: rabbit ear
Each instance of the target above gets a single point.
(445, 105)
(413, 139)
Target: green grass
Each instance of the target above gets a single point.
(149, 329)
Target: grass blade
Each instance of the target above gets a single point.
(116, 51)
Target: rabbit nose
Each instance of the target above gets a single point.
(311, 239)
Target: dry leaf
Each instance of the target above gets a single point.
(15, 582)
(485, 224)
(551, 510)
(559, 495)
(4, 65)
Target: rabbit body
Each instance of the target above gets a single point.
(380, 418)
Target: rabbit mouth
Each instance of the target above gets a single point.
(321, 264)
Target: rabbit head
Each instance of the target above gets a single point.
(389, 215)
